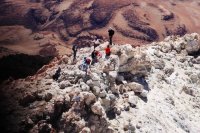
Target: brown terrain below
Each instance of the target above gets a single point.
(50, 27)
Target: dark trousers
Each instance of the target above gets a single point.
(110, 40)
(74, 55)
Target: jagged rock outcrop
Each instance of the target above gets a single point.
(136, 89)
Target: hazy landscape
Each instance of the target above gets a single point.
(150, 83)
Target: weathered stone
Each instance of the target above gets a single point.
(102, 94)
(67, 101)
(65, 59)
(112, 75)
(117, 110)
(135, 87)
(84, 87)
(126, 107)
(48, 97)
(144, 93)
(194, 78)
(115, 89)
(166, 47)
(86, 130)
(38, 36)
(44, 128)
(59, 104)
(27, 99)
(90, 83)
(97, 109)
(64, 84)
(89, 98)
(158, 64)
(192, 46)
(96, 90)
(168, 71)
(188, 90)
(132, 100)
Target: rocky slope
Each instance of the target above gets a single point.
(154, 88)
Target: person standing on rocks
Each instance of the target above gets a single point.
(108, 52)
(57, 74)
(74, 48)
(94, 56)
(86, 64)
(111, 32)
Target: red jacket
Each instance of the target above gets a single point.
(107, 50)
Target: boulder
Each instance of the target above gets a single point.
(115, 89)
(27, 99)
(110, 130)
(95, 77)
(89, 98)
(64, 84)
(132, 100)
(67, 101)
(90, 83)
(123, 88)
(117, 110)
(123, 58)
(43, 127)
(126, 106)
(48, 97)
(96, 90)
(166, 47)
(38, 36)
(65, 59)
(102, 94)
(112, 75)
(115, 50)
(106, 103)
(194, 78)
(98, 109)
(169, 70)
(140, 65)
(179, 45)
(136, 87)
(192, 46)
(188, 90)
(109, 101)
(84, 87)
(85, 130)
(59, 104)
(144, 93)
(158, 64)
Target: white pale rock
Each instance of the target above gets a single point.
(132, 100)
(123, 58)
(166, 47)
(113, 75)
(135, 87)
(144, 93)
(85, 130)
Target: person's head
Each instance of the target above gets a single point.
(84, 58)
(108, 46)
(110, 28)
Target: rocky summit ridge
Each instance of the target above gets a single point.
(152, 88)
